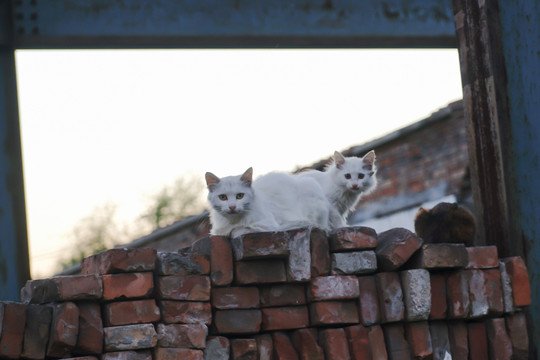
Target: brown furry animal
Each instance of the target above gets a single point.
(445, 223)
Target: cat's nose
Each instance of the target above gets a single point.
(355, 186)
(232, 207)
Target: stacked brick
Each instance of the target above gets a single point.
(301, 294)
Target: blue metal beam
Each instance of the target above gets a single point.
(233, 23)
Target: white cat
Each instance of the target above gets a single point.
(274, 202)
(344, 181)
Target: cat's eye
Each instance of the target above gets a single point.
(240, 196)
(222, 197)
(361, 176)
(347, 176)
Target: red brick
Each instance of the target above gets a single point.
(352, 238)
(128, 355)
(335, 344)
(64, 329)
(120, 260)
(395, 247)
(485, 292)
(482, 257)
(237, 321)
(333, 313)
(457, 292)
(192, 336)
(82, 358)
(129, 337)
(499, 343)
(390, 296)
(440, 256)
(377, 343)
(397, 347)
(305, 343)
(221, 261)
(62, 288)
(90, 339)
(185, 262)
(439, 339)
(516, 325)
(244, 349)
(283, 347)
(265, 347)
(131, 312)
(519, 278)
(358, 339)
(478, 344)
(235, 298)
(36, 333)
(177, 353)
(458, 337)
(285, 318)
(185, 312)
(333, 288)
(260, 272)
(439, 305)
(217, 348)
(261, 245)
(12, 329)
(282, 295)
(419, 338)
(127, 286)
(368, 304)
(188, 287)
(320, 253)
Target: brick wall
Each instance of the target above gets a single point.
(353, 294)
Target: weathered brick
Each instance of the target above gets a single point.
(335, 344)
(482, 257)
(358, 340)
(305, 343)
(354, 263)
(298, 263)
(260, 272)
(458, 337)
(244, 349)
(352, 238)
(127, 285)
(192, 336)
(395, 247)
(217, 348)
(36, 333)
(320, 253)
(283, 347)
(237, 321)
(368, 301)
(265, 347)
(440, 256)
(416, 294)
(90, 338)
(390, 296)
(185, 262)
(177, 353)
(506, 287)
(397, 347)
(419, 338)
(333, 313)
(131, 312)
(439, 340)
(519, 279)
(173, 312)
(499, 343)
(333, 288)
(88, 357)
(285, 318)
(128, 355)
(120, 260)
(516, 324)
(221, 261)
(377, 343)
(62, 288)
(64, 329)
(129, 337)
(12, 329)
(439, 307)
(188, 287)
(235, 298)
(485, 293)
(457, 292)
(478, 344)
(261, 245)
(282, 295)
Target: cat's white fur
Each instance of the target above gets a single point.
(344, 181)
(273, 202)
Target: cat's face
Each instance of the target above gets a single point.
(355, 174)
(231, 195)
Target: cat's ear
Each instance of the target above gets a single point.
(369, 158)
(247, 176)
(211, 180)
(339, 159)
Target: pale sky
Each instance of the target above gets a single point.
(117, 125)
